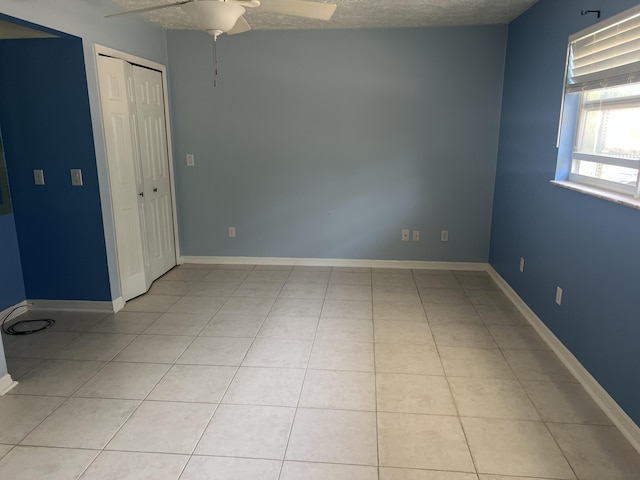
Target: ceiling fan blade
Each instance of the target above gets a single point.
(149, 9)
(241, 26)
(299, 8)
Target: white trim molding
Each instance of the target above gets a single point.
(72, 305)
(334, 262)
(6, 384)
(7, 311)
(617, 415)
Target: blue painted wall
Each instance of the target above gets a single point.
(46, 124)
(585, 245)
(326, 144)
(11, 281)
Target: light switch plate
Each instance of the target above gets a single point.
(38, 177)
(76, 177)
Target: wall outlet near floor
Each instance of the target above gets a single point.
(444, 236)
(191, 161)
(416, 235)
(405, 235)
(558, 295)
(232, 232)
(521, 264)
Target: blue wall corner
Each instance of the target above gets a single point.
(585, 245)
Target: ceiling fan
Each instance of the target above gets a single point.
(225, 16)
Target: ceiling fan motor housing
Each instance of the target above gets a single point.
(214, 16)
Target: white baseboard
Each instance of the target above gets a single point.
(617, 415)
(334, 262)
(72, 305)
(6, 384)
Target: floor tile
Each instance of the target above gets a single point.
(193, 383)
(67, 321)
(537, 365)
(515, 447)
(422, 441)
(475, 363)
(256, 290)
(565, 403)
(500, 315)
(94, 346)
(297, 307)
(281, 268)
(312, 275)
(597, 452)
(230, 276)
(178, 324)
(339, 390)
(492, 398)
(4, 449)
(247, 431)
(347, 309)
(293, 328)
(437, 281)
(476, 282)
(171, 287)
(349, 292)
(246, 306)
(19, 414)
(411, 474)
(29, 463)
(215, 351)
(270, 352)
(213, 289)
(233, 326)
(487, 297)
(185, 274)
(207, 468)
(41, 345)
(134, 465)
(265, 386)
(462, 335)
(57, 377)
(151, 303)
(303, 290)
(408, 358)
(399, 311)
(333, 436)
(126, 322)
(268, 276)
(124, 380)
(402, 332)
(390, 293)
(345, 330)
(517, 337)
(502, 477)
(446, 296)
(402, 393)
(154, 349)
(82, 423)
(350, 278)
(163, 427)
(18, 367)
(354, 356)
(324, 471)
(441, 313)
(198, 305)
(389, 277)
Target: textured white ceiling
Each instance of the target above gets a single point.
(359, 14)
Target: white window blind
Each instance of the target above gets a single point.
(605, 55)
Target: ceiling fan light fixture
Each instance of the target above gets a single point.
(214, 16)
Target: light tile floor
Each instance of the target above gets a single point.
(267, 373)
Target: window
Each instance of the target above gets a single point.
(601, 109)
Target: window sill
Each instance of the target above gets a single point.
(596, 192)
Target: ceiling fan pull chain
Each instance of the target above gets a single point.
(215, 61)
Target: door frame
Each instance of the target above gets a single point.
(143, 62)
